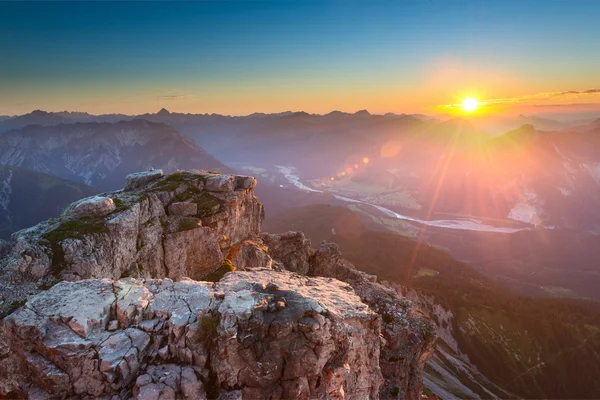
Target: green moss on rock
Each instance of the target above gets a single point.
(206, 203)
(174, 180)
(70, 229)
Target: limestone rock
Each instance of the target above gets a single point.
(140, 179)
(292, 249)
(408, 335)
(97, 206)
(264, 331)
(183, 209)
(171, 226)
(220, 183)
(236, 332)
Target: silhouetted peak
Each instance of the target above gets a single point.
(362, 113)
(163, 112)
(336, 113)
(299, 114)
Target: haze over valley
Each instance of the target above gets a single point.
(216, 200)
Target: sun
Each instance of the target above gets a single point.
(470, 104)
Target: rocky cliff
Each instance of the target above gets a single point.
(167, 289)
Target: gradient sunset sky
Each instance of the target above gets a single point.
(241, 57)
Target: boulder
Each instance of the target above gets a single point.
(138, 180)
(292, 249)
(97, 206)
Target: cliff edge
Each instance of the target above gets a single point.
(167, 289)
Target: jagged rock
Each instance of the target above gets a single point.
(290, 248)
(183, 209)
(263, 331)
(138, 180)
(409, 336)
(324, 261)
(302, 349)
(140, 238)
(97, 206)
(250, 255)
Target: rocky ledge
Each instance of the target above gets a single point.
(175, 226)
(264, 317)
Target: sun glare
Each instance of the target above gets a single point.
(470, 104)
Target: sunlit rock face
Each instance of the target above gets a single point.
(209, 308)
(162, 227)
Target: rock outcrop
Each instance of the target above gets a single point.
(161, 227)
(262, 332)
(211, 309)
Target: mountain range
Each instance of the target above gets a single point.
(100, 154)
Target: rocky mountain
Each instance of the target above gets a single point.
(28, 197)
(493, 343)
(100, 154)
(44, 118)
(99, 303)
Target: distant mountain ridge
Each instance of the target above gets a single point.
(100, 154)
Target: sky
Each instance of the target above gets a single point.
(236, 58)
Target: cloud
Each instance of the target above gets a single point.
(570, 92)
(591, 91)
(173, 97)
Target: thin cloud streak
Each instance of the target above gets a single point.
(174, 97)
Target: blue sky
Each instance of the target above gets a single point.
(239, 57)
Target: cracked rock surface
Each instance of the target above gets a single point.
(264, 333)
(114, 306)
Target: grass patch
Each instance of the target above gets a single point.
(173, 181)
(226, 266)
(76, 229)
(72, 229)
(206, 202)
(119, 204)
